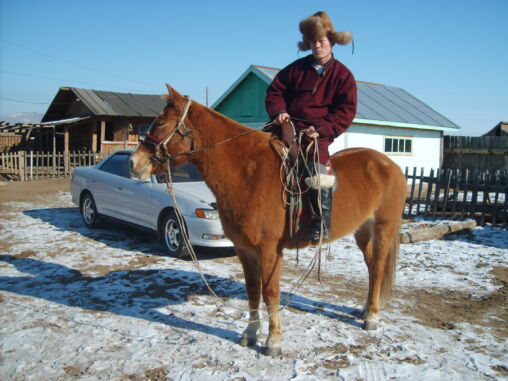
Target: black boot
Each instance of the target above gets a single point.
(323, 214)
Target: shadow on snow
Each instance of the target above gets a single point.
(139, 293)
(116, 235)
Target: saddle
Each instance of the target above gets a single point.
(300, 178)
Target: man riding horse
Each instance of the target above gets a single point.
(317, 94)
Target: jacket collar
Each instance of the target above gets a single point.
(310, 60)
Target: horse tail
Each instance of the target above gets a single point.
(390, 267)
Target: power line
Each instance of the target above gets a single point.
(65, 60)
(20, 101)
(71, 81)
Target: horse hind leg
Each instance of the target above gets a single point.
(380, 252)
(252, 275)
(364, 237)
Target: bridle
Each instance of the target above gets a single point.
(161, 154)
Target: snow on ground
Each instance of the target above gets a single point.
(77, 303)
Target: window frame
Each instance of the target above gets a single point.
(403, 145)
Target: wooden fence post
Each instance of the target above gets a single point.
(429, 191)
(411, 195)
(66, 163)
(437, 190)
(420, 187)
(447, 181)
(21, 166)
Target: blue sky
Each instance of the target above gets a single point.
(450, 54)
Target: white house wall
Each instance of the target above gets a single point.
(426, 144)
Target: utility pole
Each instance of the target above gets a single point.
(206, 96)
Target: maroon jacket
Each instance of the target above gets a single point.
(326, 101)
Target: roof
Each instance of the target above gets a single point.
(377, 104)
(501, 129)
(5, 126)
(101, 103)
(66, 121)
(267, 74)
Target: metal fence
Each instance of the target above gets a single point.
(458, 194)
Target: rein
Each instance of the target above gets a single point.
(161, 153)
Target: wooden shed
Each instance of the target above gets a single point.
(27, 136)
(101, 121)
(501, 129)
(388, 118)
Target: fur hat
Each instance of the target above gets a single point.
(319, 25)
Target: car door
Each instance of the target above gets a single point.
(119, 196)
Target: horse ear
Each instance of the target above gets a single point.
(173, 95)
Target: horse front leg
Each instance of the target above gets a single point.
(270, 275)
(252, 275)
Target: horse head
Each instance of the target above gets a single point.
(167, 139)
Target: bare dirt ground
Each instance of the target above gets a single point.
(436, 308)
(448, 307)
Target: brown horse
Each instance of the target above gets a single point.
(241, 168)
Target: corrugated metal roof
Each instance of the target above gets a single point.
(386, 103)
(270, 72)
(125, 104)
(392, 104)
(100, 103)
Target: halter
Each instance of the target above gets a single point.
(161, 153)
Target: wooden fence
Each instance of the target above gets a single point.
(475, 152)
(110, 147)
(443, 193)
(458, 194)
(32, 165)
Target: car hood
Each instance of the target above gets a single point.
(197, 190)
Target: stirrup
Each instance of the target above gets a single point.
(315, 231)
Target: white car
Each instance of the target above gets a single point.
(107, 191)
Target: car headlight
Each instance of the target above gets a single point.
(209, 214)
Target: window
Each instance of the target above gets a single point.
(143, 130)
(118, 164)
(398, 145)
(109, 132)
(182, 173)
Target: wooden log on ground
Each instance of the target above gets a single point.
(435, 232)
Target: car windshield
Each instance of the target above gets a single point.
(182, 173)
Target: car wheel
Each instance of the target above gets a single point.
(171, 234)
(89, 211)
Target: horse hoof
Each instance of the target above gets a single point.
(369, 325)
(247, 342)
(272, 352)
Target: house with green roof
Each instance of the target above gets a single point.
(388, 118)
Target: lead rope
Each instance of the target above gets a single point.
(185, 236)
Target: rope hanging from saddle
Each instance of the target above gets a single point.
(299, 174)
